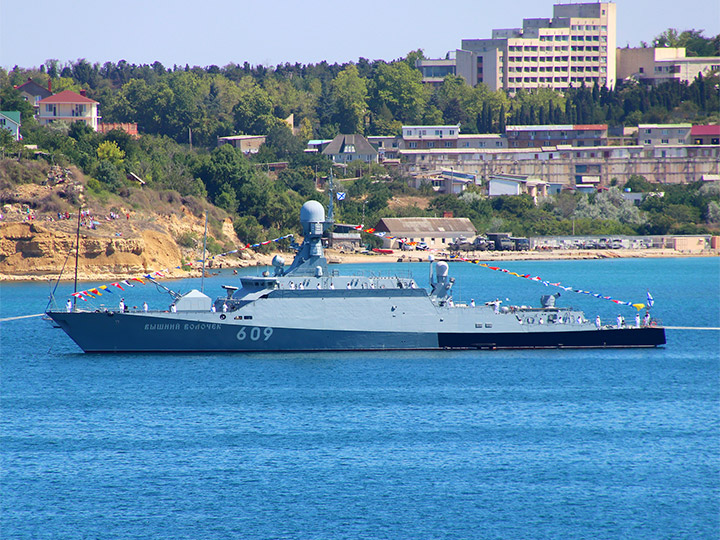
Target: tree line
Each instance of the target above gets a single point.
(368, 97)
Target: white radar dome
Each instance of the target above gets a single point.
(312, 212)
(441, 269)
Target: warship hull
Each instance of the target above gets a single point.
(134, 332)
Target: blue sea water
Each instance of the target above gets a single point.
(471, 444)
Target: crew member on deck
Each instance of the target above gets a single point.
(68, 305)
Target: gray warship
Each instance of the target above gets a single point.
(308, 307)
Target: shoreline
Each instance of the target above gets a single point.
(335, 257)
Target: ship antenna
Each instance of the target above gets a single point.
(77, 255)
(202, 279)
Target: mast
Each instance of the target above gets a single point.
(77, 255)
(331, 196)
(202, 280)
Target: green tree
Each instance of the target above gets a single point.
(110, 151)
(282, 142)
(400, 87)
(350, 97)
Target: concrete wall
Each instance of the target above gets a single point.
(561, 167)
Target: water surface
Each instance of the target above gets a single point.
(468, 444)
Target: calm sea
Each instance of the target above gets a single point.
(418, 445)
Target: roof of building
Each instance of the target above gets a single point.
(13, 116)
(241, 137)
(424, 225)
(34, 89)
(454, 126)
(663, 126)
(563, 127)
(358, 144)
(705, 130)
(67, 96)
(517, 178)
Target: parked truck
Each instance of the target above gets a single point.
(501, 241)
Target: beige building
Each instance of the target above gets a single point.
(437, 233)
(655, 65)
(574, 47)
(569, 166)
(664, 134)
(248, 144)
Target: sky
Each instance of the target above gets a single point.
(272, 32)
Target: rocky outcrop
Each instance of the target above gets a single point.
(35, 249)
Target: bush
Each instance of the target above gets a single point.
(187, 240)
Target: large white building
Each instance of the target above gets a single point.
(576, 46)
(655, 65)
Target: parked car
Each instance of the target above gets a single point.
(422, 246)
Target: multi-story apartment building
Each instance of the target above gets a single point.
(573, 135)
(576, 46)
(661, 64)
(664, 134)
(425, 137)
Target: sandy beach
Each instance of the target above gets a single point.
(337, 257)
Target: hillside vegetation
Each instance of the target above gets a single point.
(174, 106)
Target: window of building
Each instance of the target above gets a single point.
(665, 141)
(715, 140)
(412, 145)
(431, 144)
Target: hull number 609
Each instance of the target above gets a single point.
(254, 333)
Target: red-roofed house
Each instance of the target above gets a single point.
(68, 106)
(705, 134)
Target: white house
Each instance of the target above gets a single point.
(507, 184)
(68, 106)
